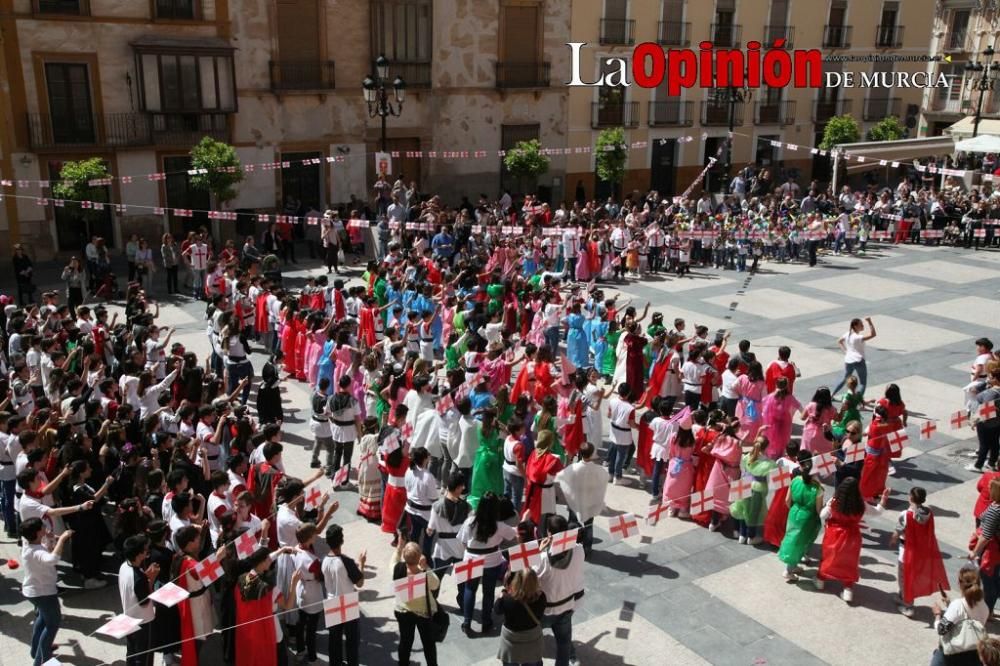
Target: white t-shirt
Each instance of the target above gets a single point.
(288, 524)
(40, 574)
(728, 389)
(619, 412)
(854, 343)
(467, 535)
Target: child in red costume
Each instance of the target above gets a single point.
(921, 569)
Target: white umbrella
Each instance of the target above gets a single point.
(984, 143)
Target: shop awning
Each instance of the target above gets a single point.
(963, 128)
(984, 143)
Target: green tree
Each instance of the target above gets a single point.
(223, 171)
(887, 129)
(840, 129)
(611, 156)
(525, 162)
(75, 179)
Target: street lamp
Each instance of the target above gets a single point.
(376, 93)
(731, 95)
(983, 81)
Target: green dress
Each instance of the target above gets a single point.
(609, 355)
(753, 510)
(454, 353)
(852, 412)
(487, 469)
(557, 447)
(803, 522)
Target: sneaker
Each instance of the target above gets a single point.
(757, 540)
(713, 527)
(790, 576)
(990, 467)
(892, 471)
(819, 583)
(742, 540)
(672, 513)
(94, 584)
(847, 595)
(905, 610)
(972, 468)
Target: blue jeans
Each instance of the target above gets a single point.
(659, 467)
(746, 531)
(552, 338)
(617, 453)
(237, 372)
(849, 368)
(991, 587)
(513, 487)
(489, 581)
(7, 506)
(562, 629)
(586, 531)
(418, 533)
(48, 617)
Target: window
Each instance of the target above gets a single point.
(956, 76)
(71, 115)
(188, 82)
(402, 31)
(724, 30)
(66, 7)
(959, 29)
(766, 152)
(176, 9)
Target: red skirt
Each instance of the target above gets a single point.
(777, 518)
(393, 504)
(841, 552)
(701, 474)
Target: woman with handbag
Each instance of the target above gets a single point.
(416, 615)
(522, 604)
(961, 625)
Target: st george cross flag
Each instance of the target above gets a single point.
(654, 513)
(341, 476)
(779, 478)
(314, 496)
(411, 587)
(824, 464)
(563, 541)
(119, 626)
(524, 555)
(740, 489)
(469, 569)
(246, 544)
(209, 570)
(624, 526)
(170, 595)
(897, 440)
(854, 453)
(702, 502)
(339, 610)
(927, 429)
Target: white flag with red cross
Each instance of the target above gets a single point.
(854, 453)
(927, 429)
(779, 478)
(563, 541)
(897, 440)
(654, 513)
(469, 569)
(624, 526)
(825, 464)
(988, 411)
(341, 476)
(959, 419)
(313, 498)
(740, 489)
(170, 595)
(339, 610)
(524, 555)
(246, 544)
(411, 587)
(119, 626)
(209, 570)
(702, 501)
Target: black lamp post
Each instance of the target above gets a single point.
(376, 91)
(731, 95)
(984, 79)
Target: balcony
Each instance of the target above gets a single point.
(716, 114)
(837, 36)
(774, 113)
(522, 75)
(121, 130)
(823, 109)
(726, 35)
(670, 114)
(945, 105)
(415, 74)
(877, 108)
(674, 33)
(888, 36)
(772, 33)
(614, 114)
(617, 31)
(291, 75)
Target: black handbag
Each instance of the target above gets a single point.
(439, 618)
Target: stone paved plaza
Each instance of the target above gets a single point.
(679, 594)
